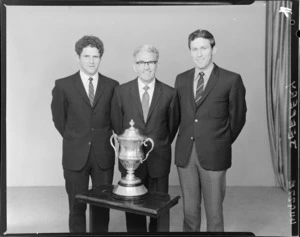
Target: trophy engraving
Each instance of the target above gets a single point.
(129, 150)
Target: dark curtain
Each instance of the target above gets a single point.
(278, 79)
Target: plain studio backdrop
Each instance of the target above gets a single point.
(40, 49)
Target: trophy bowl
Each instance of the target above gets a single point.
(129, 150)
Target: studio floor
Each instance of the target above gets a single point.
(263, 211)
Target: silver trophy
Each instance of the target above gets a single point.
(129, 149)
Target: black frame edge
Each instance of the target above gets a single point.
(3, 194)
(294, 185)
(124, 2)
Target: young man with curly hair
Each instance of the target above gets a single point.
(81, 114)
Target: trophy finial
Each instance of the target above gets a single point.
(131, 122)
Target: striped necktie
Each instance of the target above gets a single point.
(200, 87)
(145, 103)
(91, 91)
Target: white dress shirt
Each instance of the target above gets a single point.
(86, 82)
(150, 90)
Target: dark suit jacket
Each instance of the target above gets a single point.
(215, 124)
(161, 126)
(82, 125)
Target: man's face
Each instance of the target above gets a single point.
(89, 60)
(145, 66)
(202, 53)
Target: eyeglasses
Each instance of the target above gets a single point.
(149, 63)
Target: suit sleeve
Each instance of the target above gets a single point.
(174, 117)
(59, 108)
(176, 83)
(116, 113)
(237, 107)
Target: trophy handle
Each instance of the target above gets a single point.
(152, 146)
(114, 136)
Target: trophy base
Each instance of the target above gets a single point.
(124, 191)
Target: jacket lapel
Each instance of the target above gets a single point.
(156, 96)
(80, 87)
(210, 84)
(191, 88)
(134, 90)
(100, 88)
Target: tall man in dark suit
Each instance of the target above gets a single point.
(213, 113)
(154, 108)
(81, 113)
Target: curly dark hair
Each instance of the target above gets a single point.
(201, 34)
(89, 40)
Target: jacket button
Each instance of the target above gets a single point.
(92, 129)
(89, 143)
(192, 138)
(196, 120)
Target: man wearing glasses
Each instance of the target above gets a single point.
(154, 108)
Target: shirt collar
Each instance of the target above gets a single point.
(142, 84)
(86, 77)
(207, 71)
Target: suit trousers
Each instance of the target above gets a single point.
(196, 183)
(138, 223)
(78, 182)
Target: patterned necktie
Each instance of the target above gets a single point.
(145, 103)
(199, 90)
(91, 91)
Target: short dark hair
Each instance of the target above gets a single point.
(202, 34)
(89, 40)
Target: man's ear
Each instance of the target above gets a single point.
(214, 50)
(134, 66)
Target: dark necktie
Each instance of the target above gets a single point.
(91, 91)
(200, 87)
(145, 103)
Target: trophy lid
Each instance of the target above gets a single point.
(131, 133)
